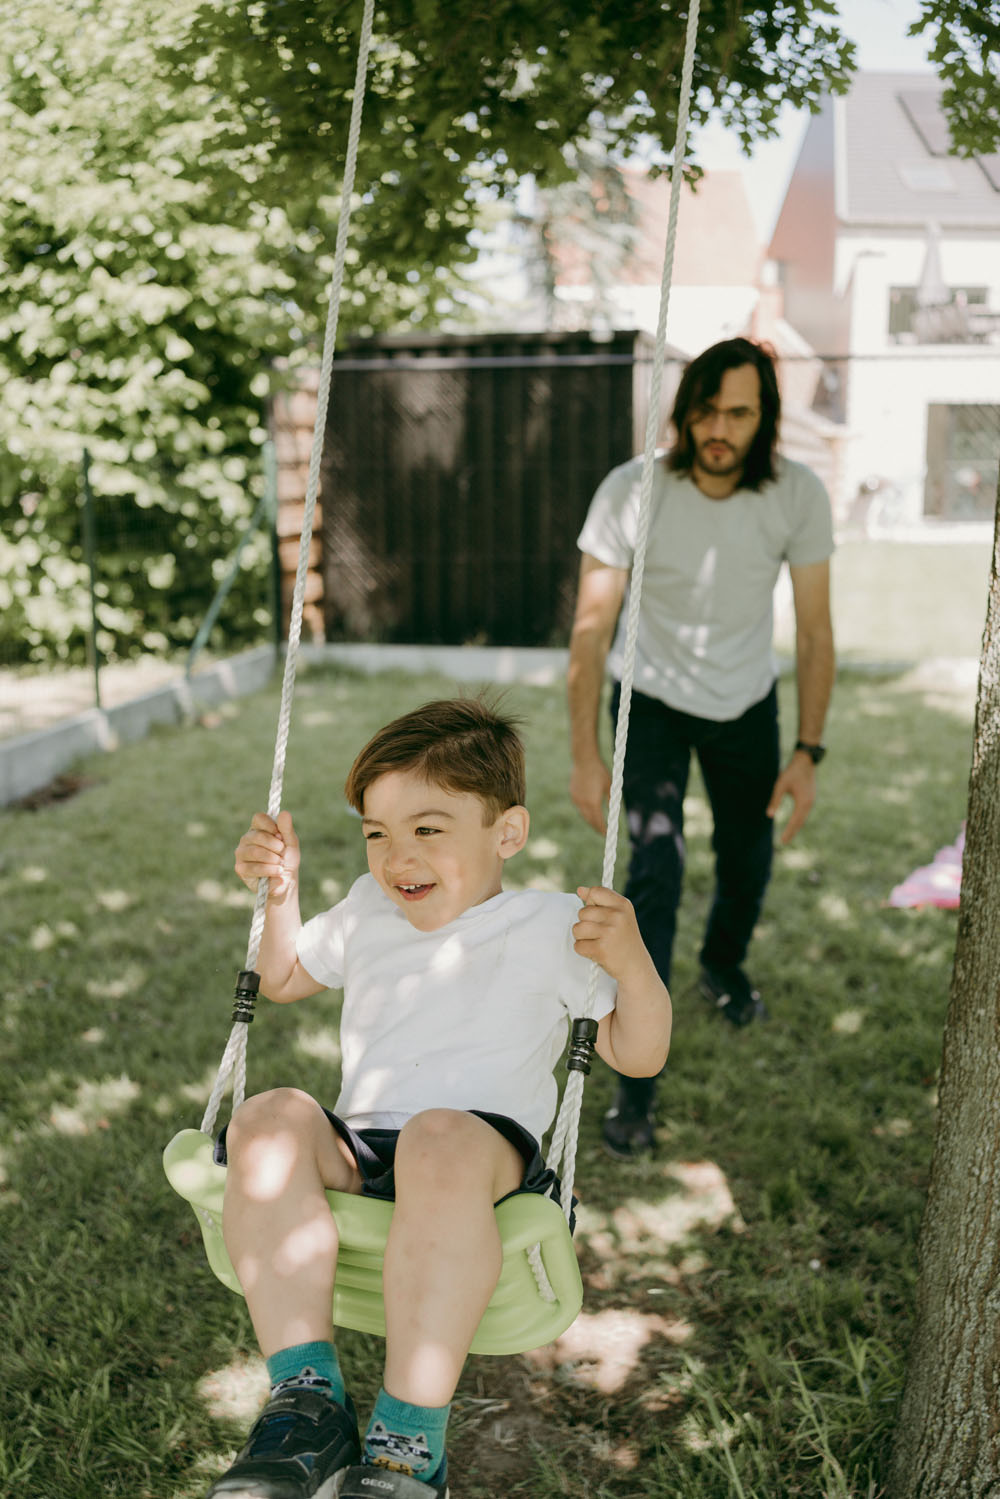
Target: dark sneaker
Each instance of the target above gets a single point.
(369, 1482)
(625, 1134)
(299, 1448)
(729, 991)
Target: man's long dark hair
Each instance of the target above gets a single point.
(700, 382)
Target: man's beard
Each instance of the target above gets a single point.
(727, 461)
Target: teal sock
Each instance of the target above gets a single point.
(408, 1438)
(309, 1365)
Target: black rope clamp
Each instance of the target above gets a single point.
(247, 986)
(581, 1046)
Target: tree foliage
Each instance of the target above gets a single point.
(465, 100)
(135, 318)
(964, 40)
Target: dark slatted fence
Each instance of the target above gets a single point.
(457, 473)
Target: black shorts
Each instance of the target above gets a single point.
(374, 1150)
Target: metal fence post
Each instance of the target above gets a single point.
(271, 495)
(90, 557)
(264, 505)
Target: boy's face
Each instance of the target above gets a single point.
(430, 849)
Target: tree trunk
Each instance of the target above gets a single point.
(948, 1439)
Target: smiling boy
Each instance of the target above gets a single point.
(457, 996)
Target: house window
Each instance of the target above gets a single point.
(962, 446)
(964, 318)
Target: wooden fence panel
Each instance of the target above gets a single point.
(457, 474)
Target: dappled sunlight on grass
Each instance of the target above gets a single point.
(196, 830)
(32, 874)
(214, 893)
(130, 981)
(848, 1022)
(602, 1349)
(44, 936)
(943, 686)
(115, 900)
(332, 890)
(897, 1128)
(4, 1173)
(646, 1244)
(94, 1103)
(798, 857)
(699, 1198)
(322, 1045)
(834, 907)
(697, 817)
(542, 848)
(874, 707)
(199, 1093)
(237, 1391)
(897, 795)
(722, 1434)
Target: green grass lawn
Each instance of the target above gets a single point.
(748, 1291)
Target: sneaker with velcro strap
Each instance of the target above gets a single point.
(299, 1447)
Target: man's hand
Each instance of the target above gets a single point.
(269, 850)
(797, 780)
(589, 787)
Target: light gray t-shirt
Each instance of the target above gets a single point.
(707, 617)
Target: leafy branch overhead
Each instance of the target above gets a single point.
(464, 101)
(964, 46)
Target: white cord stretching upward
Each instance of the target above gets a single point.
(234, 1057)
(564, 1139)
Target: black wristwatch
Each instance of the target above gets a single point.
(814, 751)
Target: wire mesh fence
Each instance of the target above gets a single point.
(134, 595)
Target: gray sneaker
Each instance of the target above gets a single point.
(368, 1481)
(729, 991)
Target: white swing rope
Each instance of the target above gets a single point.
(234, 1056)
(562, 1150)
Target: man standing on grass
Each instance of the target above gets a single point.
(727, 511)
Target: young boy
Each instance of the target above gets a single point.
(456, 1001)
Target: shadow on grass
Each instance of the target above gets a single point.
(748, 1289)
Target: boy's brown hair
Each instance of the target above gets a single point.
(461, 744)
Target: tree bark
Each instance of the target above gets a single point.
(947, 1442)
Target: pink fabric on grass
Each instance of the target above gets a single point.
(936, 884)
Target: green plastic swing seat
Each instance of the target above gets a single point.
(518, 1317)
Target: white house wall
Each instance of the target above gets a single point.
(890, 386)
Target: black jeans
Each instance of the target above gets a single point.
(739, 761)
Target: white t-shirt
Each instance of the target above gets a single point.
(472, 1016)
(707, 620)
